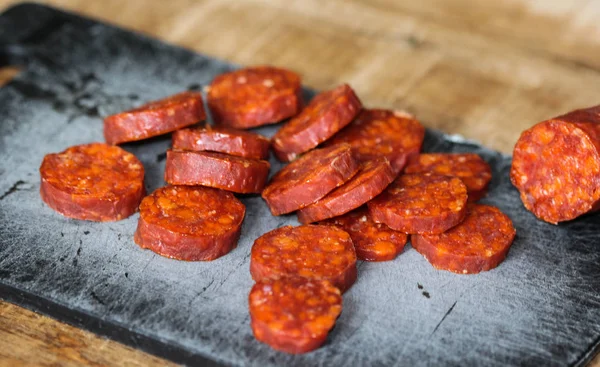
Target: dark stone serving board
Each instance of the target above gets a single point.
(540, 307)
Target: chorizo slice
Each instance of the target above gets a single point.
(223, 140)
(96, 182)
(310, 251)
(191, 223)
(382, 133)
(372, 178)
(154, 118)
(372, 241)
(218, 170)
(309, 178)
(479, 243)
(326, 114)
(556, 166)
(421, 203)
(474, 172)
(254, 96)
(293, 315)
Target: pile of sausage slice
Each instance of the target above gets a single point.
(356, 178)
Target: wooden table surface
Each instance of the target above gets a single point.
(482, 69)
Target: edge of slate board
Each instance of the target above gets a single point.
(13, 54)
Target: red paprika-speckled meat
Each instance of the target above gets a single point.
(556, 166)
(421, 203)
(474, 172)
(294, 315)
(309, 251)
(254, 96)
(223, 140)
(396, 136)
(372, 241)
(190, 222)
(325, 115)
(218, 170)
(479, 243)
(96, 182)
(309, 178)
(372, 178)
(155, 118)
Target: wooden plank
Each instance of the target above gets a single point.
(482, 69)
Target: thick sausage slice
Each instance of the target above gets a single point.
(218, 170)
(556, 166)
(254, 97)
(372, 178)
(310, 251)
(383, 133)
(421, 203)
(372, 241)
(190, 223)
(479, 243)
(155, 118)
(224, 140)
(474, 172)
(325, 115)
(309, 178)
(294, 315)
(95, 182)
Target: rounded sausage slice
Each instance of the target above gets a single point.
(421, 203)
(310, 251)
(294, 315)
(372, 241)
(556, 166)
(96, 182)
(309, 178)
(325, 115)
(223, 140)
(218, 170)
(383, 133)
(190, 223)
(254, 97)
(479, 243)
(474, 172)
(155, 118)
(372, 178)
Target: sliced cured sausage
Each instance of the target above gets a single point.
(325, 115)
(310, 251)
(479, 243)
(224, 140)
(155, 118)
(218, 170)
(190, 223)
(474, 172)
(556, 166)
(96, 182)
(254, 96)
(293, 315)
(372, 178)
(309, 178)
(421, 203)
(383, 133)
(372, 241)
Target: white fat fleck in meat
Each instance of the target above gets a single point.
(363, 218)
(403, 114)
(465, 271)
(462, 159)
(212, 212)
(268, 83)
(241, 80)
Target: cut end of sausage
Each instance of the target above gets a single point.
(556, 168)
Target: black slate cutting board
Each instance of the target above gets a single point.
(540, 307)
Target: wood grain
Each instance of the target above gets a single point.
(485, 70)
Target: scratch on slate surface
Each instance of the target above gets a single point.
(444, 318)
(13, 188)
